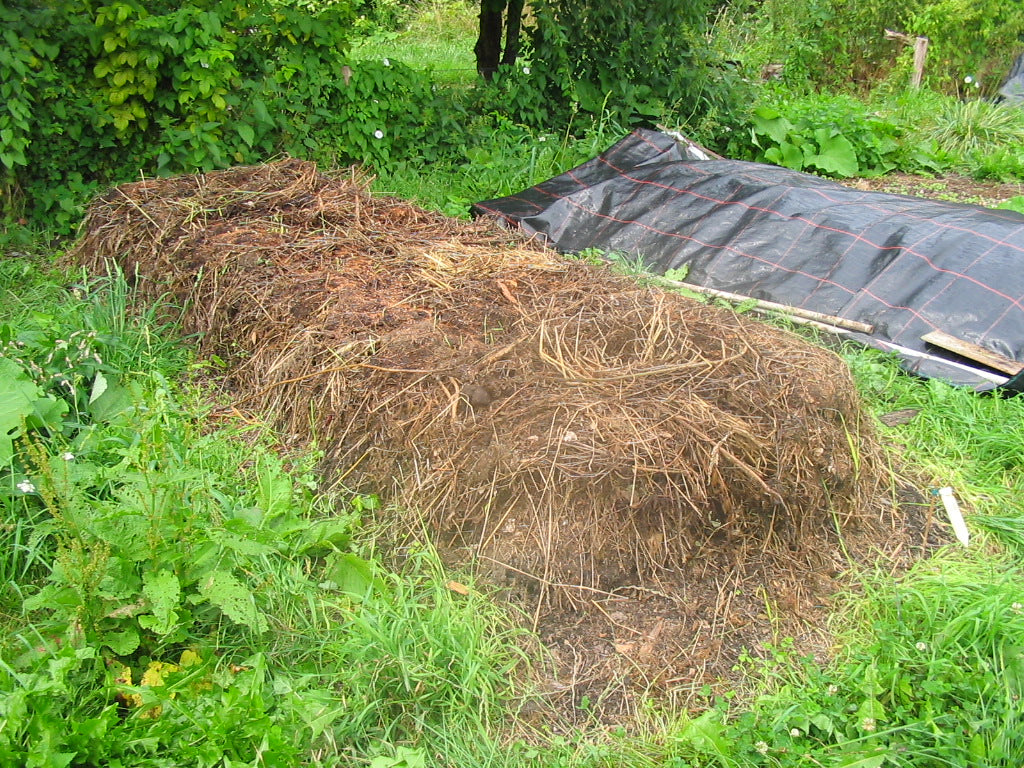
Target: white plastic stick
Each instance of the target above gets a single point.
(955, 517)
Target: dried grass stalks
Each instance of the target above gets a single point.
(558, 418)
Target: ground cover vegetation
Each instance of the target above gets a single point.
(183, 587)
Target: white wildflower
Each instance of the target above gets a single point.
(968, 79)
(868, 724)
(761, 747)
(378, 134)
(922, 646)
(387, 62)
(795, 733)
(833, 690)
(25, 486)
(68, 456)
(526, 70)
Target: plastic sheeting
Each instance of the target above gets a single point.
(1012, 88)
(904, 265)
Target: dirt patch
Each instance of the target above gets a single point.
(658, 482)
(950, 187)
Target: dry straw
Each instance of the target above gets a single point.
(544, 413)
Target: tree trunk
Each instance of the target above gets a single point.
(512, 26)
(488, 44)
(494, 15)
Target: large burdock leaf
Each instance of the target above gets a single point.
(835, 155)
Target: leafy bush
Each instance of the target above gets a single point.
(637, 62)
(98, 96)
(835, 136)
(841, 45)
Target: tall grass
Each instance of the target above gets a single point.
(975, 127)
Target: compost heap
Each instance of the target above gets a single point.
(615, 452)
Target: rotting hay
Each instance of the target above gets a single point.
(574, 430)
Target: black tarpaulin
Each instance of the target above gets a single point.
(906, 266)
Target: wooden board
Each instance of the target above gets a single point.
(974, 352)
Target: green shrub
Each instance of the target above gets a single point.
(99, 94)
(832, 135)
(636, 62)
(841, 45)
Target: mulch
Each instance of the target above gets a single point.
(657, 483)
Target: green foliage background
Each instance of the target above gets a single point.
(98, 94)
(836, 45)
(631, 61)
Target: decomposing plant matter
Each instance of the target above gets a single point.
(607, 445)
(583, 428)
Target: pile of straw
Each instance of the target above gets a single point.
(560, 420)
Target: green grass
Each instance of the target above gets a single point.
(438, 38)
(504, 159)
(975, 127)
(138, 530)
(973, 443)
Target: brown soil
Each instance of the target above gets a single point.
(951, 187)
(659, 484)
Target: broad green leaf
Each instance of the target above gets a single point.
(247, 134)
(99, 386)
(163, 591)
(126, 533)
(112, 402)
(122, 643)
(21, 402)
(351, 574)
(835, 155)
(787, 155)
(770, 123)
(324, 534)
(234, 599)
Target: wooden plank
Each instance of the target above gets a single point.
(972, 351)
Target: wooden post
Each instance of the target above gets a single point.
(920, 53)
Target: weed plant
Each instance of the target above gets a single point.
(976, 127)
(178, 590)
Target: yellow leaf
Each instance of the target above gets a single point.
(458, 588)
(189, 658)
(156, 672)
